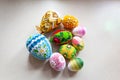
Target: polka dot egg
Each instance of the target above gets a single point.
(68, 51)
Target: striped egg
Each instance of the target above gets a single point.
(79, 31)
(75, 64)
(39, 46)
(78, 43)
(68, 51)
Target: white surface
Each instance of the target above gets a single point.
(101, 54)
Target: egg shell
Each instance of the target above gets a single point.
(78, 43)
(61, 37)
(75, 64)
(39, 46)
(79, 31)
(57, 61)
(49, 21)
(70, 22)
(68, 51)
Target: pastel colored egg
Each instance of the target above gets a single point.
(61, 37)
(70, 22)
(78, 43)
(49, 22)
(68, 51)
(79, 31)
(75, 64)
(57, 61)
(39, 46)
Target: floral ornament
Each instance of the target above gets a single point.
(42, 50)
(57, 40)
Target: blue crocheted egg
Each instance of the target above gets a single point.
(39, 46)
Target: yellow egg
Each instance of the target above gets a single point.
(70, 22)
(68, 51)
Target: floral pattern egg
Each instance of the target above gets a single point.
(57, 61)
(75, 64)
(39, 46)
(68, 51)
(49, 22)
(61, 37)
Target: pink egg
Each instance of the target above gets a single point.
(78, 43)
(79, 31)
(57, 61)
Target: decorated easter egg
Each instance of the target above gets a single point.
(61, 37)
(75, 64)
(49, 21)
(70, 22)
(79, 31)
(68, 51)
(57, 61)
(39, 46)
(78, 43)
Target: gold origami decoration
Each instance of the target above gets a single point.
(49, 22)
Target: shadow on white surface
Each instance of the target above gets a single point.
(43, 65)
(34, 63)
(45, 68)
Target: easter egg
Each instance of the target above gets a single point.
(68, 51)
(79, 31)
(75, 64)
(70, 22)
(49, 22)
(39, 46)
(57, 61)
(61, 37)
(78, 43)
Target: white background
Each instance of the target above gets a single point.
(102, 43)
